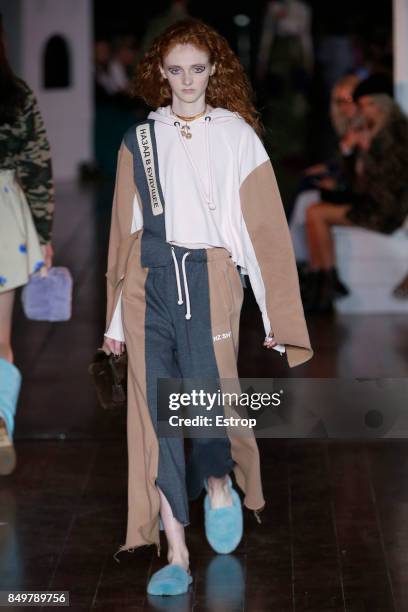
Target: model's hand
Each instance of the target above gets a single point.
(270, 341)
(47, 253)
(113, 346)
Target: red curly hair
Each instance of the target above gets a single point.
(228, 88)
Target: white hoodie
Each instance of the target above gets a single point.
(201, 179)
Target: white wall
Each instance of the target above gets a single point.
(400, 43)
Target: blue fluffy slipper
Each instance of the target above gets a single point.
(169, 580)
(223, 526)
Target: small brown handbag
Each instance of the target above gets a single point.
(109, 374)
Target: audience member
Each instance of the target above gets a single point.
(328, 175)
(375, 158)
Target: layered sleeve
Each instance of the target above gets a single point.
(126, 219)
(268, 251)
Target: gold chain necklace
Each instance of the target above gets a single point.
(185, 129)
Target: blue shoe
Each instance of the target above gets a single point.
(169, 580)
(10, 381)
(223, 526)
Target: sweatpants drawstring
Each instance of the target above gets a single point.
(183, 267)
(179, 293)
(180, 296)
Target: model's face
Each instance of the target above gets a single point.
(187, 69)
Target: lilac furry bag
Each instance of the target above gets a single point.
(48, 297)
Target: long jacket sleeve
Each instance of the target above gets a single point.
(120, 238)
(270, 259)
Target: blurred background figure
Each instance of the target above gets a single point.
(115, 110)
(26, 211)
(375, 163)
(123, 62)
(328, 176)
(177, 9)
(284, 68)
(105, 84)
(347, 40)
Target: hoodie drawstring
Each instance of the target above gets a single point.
(179, 293)
(211, 204)
(208, 199)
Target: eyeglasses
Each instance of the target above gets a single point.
(343, 100)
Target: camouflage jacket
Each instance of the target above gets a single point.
(24, 148)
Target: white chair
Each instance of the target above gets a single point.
(297, 224)
(371, 265)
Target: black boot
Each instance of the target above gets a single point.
(324, 302)
(331, 288)
(310, 289)
(339, 288)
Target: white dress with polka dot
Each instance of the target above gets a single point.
(20, 252)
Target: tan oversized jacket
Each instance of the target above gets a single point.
(267, 226)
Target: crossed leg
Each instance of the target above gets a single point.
(320, 218)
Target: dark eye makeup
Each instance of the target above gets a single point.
(198, 68)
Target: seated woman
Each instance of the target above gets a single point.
(328, 175)
(377, 165)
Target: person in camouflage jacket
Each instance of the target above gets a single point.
(24, 148)
(26, 212)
